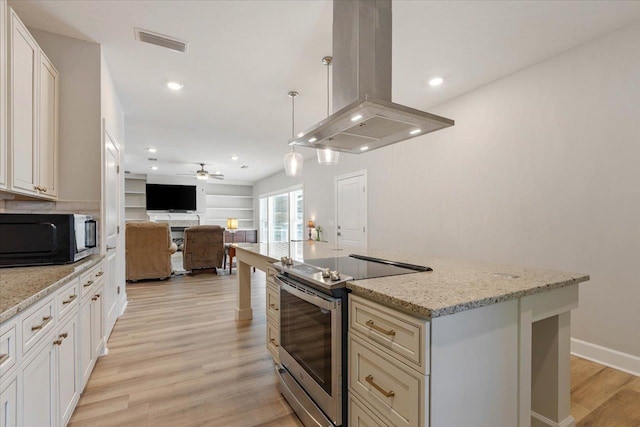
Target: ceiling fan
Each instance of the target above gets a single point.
(203, 174)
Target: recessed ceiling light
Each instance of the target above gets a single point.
(301, 134)
(234, 157)
(356, 118)
(436, 81)
(415, 131)
(152, 150)
(174, 85)
(365, 148)
(155, 168)
(312, 140)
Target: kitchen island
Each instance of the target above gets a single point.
(497, 343)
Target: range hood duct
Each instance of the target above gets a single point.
(366, 118)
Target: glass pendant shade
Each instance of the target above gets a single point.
(293, 163)
(327, 156)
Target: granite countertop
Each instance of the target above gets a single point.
(21, 287)
(452, 286)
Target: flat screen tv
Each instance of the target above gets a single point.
(164, 197)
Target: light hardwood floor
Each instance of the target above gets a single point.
(177, 357)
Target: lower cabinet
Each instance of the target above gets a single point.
(66, 368)
(38, 397)
(91, 339)
(9, 402)
(273, 315)
(47, 353)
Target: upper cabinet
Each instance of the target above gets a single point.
(3, 95)
(33, 116)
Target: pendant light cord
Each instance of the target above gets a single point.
(328, 64)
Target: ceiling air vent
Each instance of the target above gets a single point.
(161, 40)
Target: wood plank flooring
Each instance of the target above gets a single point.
(178, 358)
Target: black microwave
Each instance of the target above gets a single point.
(39, 239)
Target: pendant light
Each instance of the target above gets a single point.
(327, 156)
(293, 161)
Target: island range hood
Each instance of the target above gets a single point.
(366, 118)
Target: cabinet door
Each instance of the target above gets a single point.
(23, 53)
(86, 340)
(9, 403)
(97, 330)
(38, 387)
(3, 94)
(67, 368)
(48, 129)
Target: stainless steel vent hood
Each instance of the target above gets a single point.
(366, 118)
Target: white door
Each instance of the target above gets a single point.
(351, 209)
(37, 394)
(112, 229)
(67, 368)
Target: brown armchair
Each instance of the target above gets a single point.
(148, 250)
(203, 247)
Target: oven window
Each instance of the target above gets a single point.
(305, 333)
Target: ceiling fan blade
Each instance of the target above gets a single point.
(216, 176)
(186, 174)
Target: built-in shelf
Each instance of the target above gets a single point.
(135, 207)
(134, 192)
(135, 201)
(230, 201)
(230, 195)
(233, 209)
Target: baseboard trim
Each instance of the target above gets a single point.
(124, 307)
(615, 359)
(567, 422)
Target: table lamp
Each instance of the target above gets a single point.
(232, 226)
(311, 225)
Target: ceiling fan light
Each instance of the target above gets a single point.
(327, 156)
(202, 176)
(293, 163)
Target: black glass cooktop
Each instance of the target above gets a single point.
(362, 267)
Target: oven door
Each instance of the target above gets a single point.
(310, 343)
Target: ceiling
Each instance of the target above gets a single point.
(244, 56)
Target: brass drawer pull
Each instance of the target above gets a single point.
(89, 283)
(58, 341)
(99, 273)
(3, 357)
(45, 320)
(71, 298)
(379, 329)
(274, 307)
(273, 341)
(95, 297)
(63, 335)
(385, 393)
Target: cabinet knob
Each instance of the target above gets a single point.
(57, 342)
(63, 335)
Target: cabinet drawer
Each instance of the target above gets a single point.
(37, 324)
(273, 304)
(394, 391)
(402, 335)
(361, 416)
(89, 278)
(8, 347)
(67, 299)
(273, 340)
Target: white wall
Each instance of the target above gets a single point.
(78, 63)
(541, 169)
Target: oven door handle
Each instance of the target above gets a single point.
(312, 299)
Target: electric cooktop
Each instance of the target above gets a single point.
(360, 266)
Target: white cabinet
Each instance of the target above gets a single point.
(3, 94)
(33, 115)
(273, 315)
(388, 366)
(37, 397)
(48, 351)
(9, 402)
(48, 128)
(67, 364)
(92, 332)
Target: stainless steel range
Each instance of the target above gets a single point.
(313, 339)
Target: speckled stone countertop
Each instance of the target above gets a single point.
(21, 287)
(452, 286)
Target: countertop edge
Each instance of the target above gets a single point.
(430, 313)
(28, 302)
